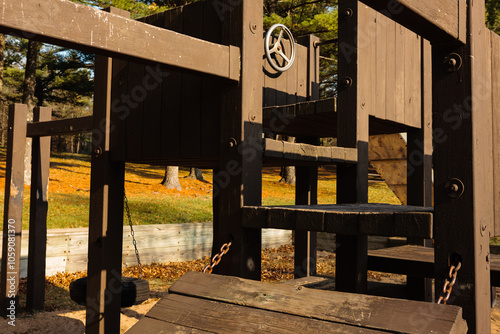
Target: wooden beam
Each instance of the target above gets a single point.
(60, 127)
(463, 160)
(437, 21)
(238, 179)
(13, 212)
(352, 132)
(106, 213)
(40, 166)
(88, 29)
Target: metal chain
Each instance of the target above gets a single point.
(449, 283)
(217, 257)
(125, 200)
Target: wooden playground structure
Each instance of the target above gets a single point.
(193, 87)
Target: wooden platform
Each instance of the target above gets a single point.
(352, 219)
(202, 303)
(417, 261)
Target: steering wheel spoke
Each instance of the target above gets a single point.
(278, 48)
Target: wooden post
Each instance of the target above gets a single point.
(238, 180)
(106, 212)
(40, 166)
(352, 180)
(463, 168)
(13, 211)
(306, 188)
(419, 170)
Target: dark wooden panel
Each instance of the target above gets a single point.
(13, 207)
(40, 165)
(384, 313)
(171, 102)
(120, 110)
(211, 89)
(436, 21)
(60, 127)
(495, 80)
(114, 36)
(136, 96)
(191, 91)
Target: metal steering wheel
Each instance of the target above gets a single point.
(278, 49)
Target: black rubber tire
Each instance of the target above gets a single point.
(134, 291)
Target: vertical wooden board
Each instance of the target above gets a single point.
(381, 67)
(120, 110)
(152, 85)
(171, 98)
(291, 81)
(211, 89)
(399, 85)
(192, 25)
(495, 94)
(281, 89)
(135, 98)
(412, 79)
(269, 90)
(367, 48)
(390, 79)
(13, 208)
(301, 75)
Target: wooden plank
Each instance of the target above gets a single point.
(302, 75)
(291, 80)
(413, 73)
(60, 127)
(381, 67)
(40, 166)
(215, 317)
(269, 88)
(150, 325)
(120, 110)
(114, 36)
(106, 214)
(352, 132)
(390, 97)
(367, 52)
(384, 313)
(13, 211)
(399, 86)
(435, 21)
(359, 219)
(238, 179)
(467, 220)
(172, 89)
(191, 92)
(495, 98)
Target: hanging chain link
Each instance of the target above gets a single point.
(449, 283)
(125, 199)
(217, 257)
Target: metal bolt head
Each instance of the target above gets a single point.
(232, 143)
(454, 188)
(98, 151)
(453, 62)
(347, 13)
(347, 82)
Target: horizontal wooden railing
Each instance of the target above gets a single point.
(60, 127)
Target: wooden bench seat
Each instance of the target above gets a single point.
(202, 303)
(417, 261)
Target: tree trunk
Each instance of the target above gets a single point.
(171, 178)
(288, 172)
(195, 174)
(29, 98)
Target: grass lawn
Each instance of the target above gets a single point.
(150, 202)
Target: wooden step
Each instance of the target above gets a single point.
(417, 261)
(202, 303)
(351, 219)
(279, 152)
